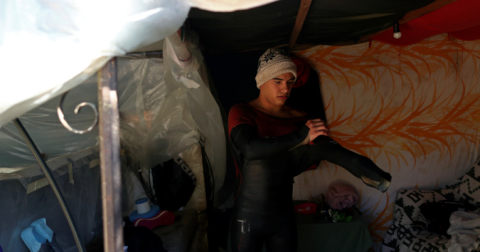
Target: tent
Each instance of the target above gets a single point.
(73, 40)
(373, 93)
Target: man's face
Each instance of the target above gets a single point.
(277, 90)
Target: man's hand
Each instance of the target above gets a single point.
(317, 128)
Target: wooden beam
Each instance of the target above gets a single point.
(302, 14)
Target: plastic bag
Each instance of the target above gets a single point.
(174, 184)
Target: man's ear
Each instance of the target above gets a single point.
(262, 86)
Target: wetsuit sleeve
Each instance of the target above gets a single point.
(329, 150)
(253, 147)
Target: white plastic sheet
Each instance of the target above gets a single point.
(49, 46)
(228, 5)
(165, 107)
(81, 191)
(50, 137)
(160, 117)
(163, 115)
(201, 104)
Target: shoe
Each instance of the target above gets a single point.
(381, 185)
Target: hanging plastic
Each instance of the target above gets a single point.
(48, 47)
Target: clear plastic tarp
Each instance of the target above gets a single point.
(168, 113)
(50, 46)
(79, 182)
(165, 109)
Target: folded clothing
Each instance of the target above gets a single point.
(464, 232)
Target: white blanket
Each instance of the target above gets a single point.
(465, 232)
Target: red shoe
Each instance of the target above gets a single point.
(163, 218)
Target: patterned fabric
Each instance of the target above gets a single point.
(401, 237)
(467, 188)
(273, 55)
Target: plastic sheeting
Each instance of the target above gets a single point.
(51, 138)
(193, 158)
(164, 115)
(202, 105)
(155, 121)
(49, 46)
(81, 190)
(228, 5)
(165, 107)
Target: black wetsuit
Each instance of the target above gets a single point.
(268, 157)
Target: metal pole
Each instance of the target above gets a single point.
(109, 134)
(52, 182)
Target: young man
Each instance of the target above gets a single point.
(272, 143)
